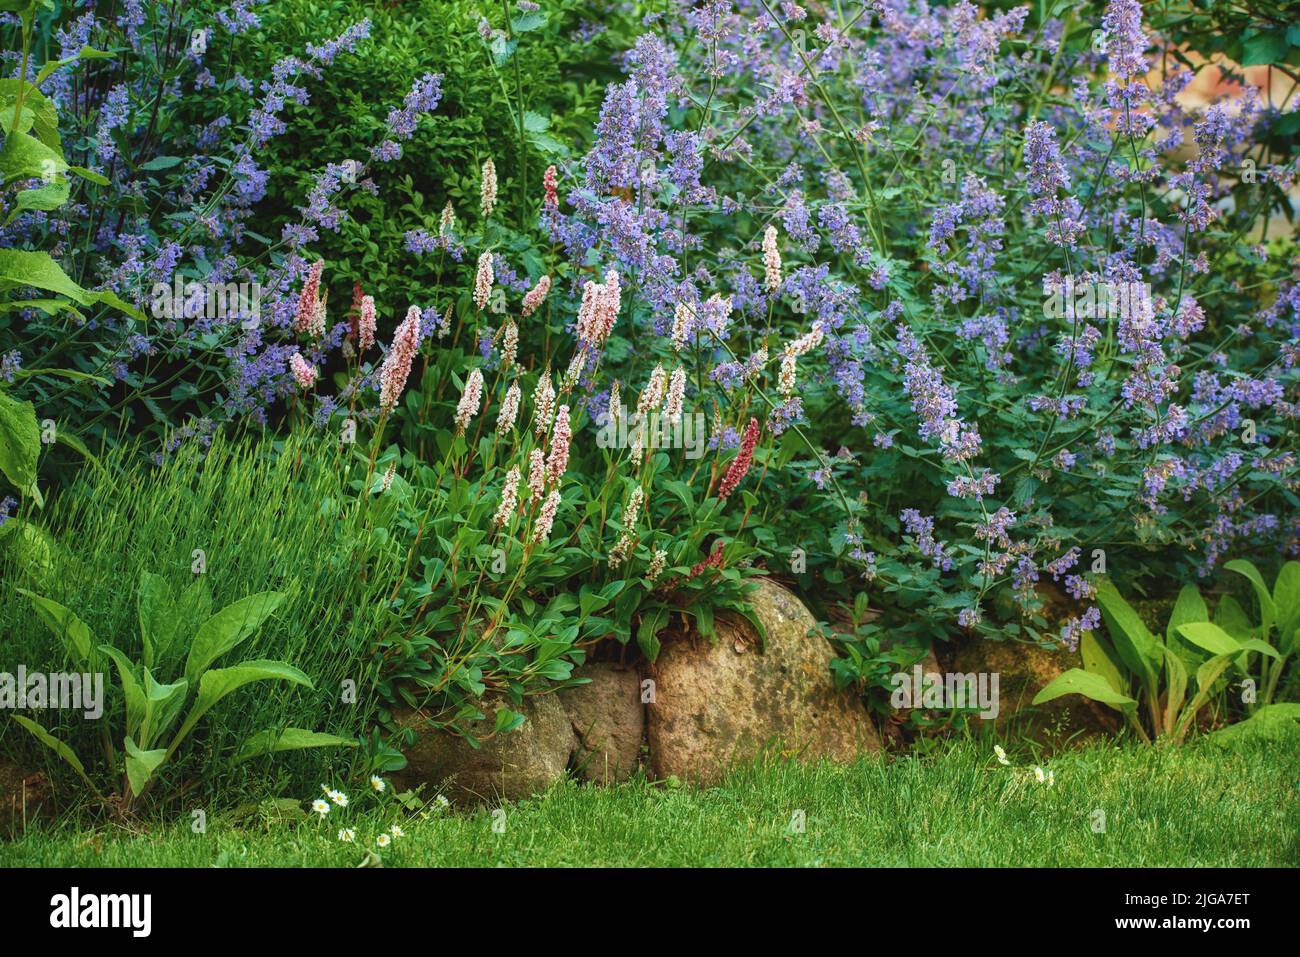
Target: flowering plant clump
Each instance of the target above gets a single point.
(957, 311)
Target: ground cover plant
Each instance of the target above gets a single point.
(458, 347)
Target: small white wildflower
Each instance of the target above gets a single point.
(1002, 755)
(396, 831)
(320, 807)
(442, 802)
(339, 798)
(377, 783)
(347, 835)
(383, 840)
(1039, 776)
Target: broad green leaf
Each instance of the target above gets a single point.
(1210, 672)
(46, 116)
(20, 442)
(1232, 618)
(20, 268)
(54, 744)
(647, 632)
(1286, 601)
(219, 682)
(140, 765)
(507, 720)
(1267, 610)
(1097, 661)
(1136, 646)
(1190, 607)
(135, 703)
(85, 53)
(25, 157)
(68, 628)
(50, 196)
(227, 629)
(162, 704)
(1176, 688)
(1094, 686)
(1211, 637)
(290, 739)
(156, 608)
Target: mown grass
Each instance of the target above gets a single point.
(1193, 806)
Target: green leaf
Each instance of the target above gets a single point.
(1097, 661)
(507, 720)
(1190, 607)
(50, 196)
(647, 632)
(271, 741)
(20, 442)
(68, 628)
(161, 163)
(1264, 48)
(1176, 688)
(156, 608)
(26, 157)
(217, 683)
(19, 268)
(1232, 618)
(85, 53)
(54, 744)
(1094, 686)
(1211, 637)
(1286, 602)
(45, 116)
(140, 765)
(135, 703)
(226, 629)
(1267, 610)
(1134, 643)
(528, 22)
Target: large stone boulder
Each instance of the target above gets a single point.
(720, 701)
(1024, 670)
(608, 719)
(509, 766)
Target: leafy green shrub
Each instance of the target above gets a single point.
(243, 518)
(168, 632)
(1141, 671)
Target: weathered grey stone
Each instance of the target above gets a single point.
(722, 701)
(519, 764)
(609, 720)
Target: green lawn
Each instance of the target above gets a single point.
(1193, 806)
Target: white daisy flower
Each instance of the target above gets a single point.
(347, 835)
(396, 831)
(377, 783)
(1039, 776)
(442, 802)
(383, 840)
(1002, 755)
(320, 807)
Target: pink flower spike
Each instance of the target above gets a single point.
(397, 364)
(304, 373)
